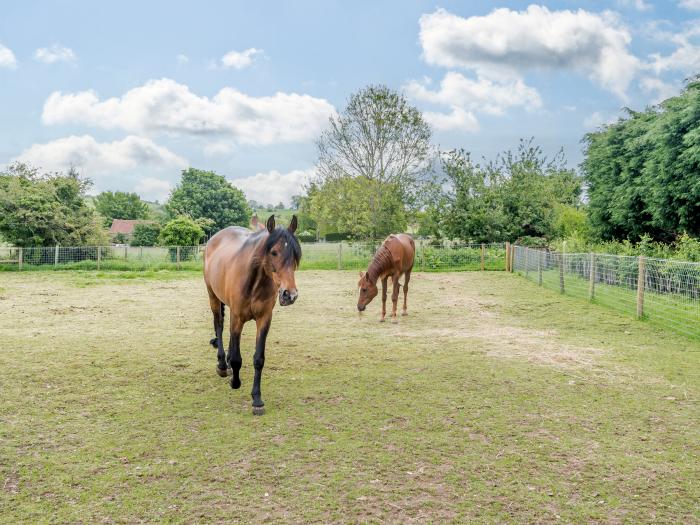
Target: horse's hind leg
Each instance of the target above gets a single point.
(407, 277)
(394, 296)
(217, 309)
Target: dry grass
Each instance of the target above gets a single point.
(487, 403)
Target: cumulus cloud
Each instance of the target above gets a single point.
(240, 59)
(7, 58)
(55, 53)
(219, 148)
(693, 5)
(97, 159)
(508, 43)
(686, 56)
(661, 90)
(597, 119)
(152, 189)
(182, 59)
(458, 119)
(481, 94)
(167, 106)
(639, 5)
(272, 187)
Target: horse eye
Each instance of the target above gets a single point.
(364, 289)
(274, 253)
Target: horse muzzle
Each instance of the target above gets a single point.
(361, 307)
(288, 297)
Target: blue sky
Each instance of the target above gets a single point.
(132, 92)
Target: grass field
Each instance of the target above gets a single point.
(490, 402)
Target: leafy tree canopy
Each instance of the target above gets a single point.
(181, 231)
(120, 205)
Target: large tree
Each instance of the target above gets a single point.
(643, 172)
(206, 195)
(120, 205)
(384, 143)
(46, 209)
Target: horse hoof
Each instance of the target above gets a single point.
(222, 373)
(404, 313)
(258, 411)
(394, 320)
(235, 383)
(382, 320)
(214, 342)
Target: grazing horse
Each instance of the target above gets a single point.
(393, 258)
(248, 271)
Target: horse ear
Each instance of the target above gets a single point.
(362, 274)
(271, 223)
(293, 224)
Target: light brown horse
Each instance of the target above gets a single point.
(248, 271)
(393, 258)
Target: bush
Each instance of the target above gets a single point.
(181, 231)
(146, 234)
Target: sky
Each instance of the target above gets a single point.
(130, 93)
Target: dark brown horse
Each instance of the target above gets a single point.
(393, 258)
(248, 271)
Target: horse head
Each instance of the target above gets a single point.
(281, 259)
(368, 291)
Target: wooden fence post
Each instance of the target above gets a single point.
(422, 256)
(561, 272)
(125, 252)
(55, 256)
(527, 262)
(591, 278)
(99, 256)
(539, 267)
(507, 256)
(641, 277)
(141, 253)
(483, 250)
(20, 257)
(178, 257)
(340, 255)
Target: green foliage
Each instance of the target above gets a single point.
(181, 231)
(642, 172)
(518, 195)
(146, 234)
(120, 238)
(206, 195)
(46, 209)
(684, 248)
(120, 205)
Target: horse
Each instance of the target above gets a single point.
(248, 271)
(393, 258)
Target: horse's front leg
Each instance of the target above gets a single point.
(384, 280)
(394, 296)
(263, 325)
(234, 358)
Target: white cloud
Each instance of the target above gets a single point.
(482, 95)
(693, 5)
(507, 43)
(639, 5)
(7, 58)
(152, 189)
(240, 59)
(458, 119)
(663, 90)
(55, 53)
(219, 148)
(597, 119)
(273, 187)
(685, 58)
(98, 159)
(182, 59)
(169, 107)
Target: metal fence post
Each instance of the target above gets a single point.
(20, 257)
(340, 255)
(99, 256)
(178, 257)
(591, 278)
(55, 256)
(641, 277)
(539, 267)
(483, 253)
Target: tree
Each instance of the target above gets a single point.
(146, 234)
(181, 231)
(382, 140)
(46, 209)
(120, 205)
(206, 195)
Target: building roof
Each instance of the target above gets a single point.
(125, 226)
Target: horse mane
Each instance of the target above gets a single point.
(382, 260)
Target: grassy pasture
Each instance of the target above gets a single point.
(489, 403)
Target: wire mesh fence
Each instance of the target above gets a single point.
(664, 291)
(430, 257)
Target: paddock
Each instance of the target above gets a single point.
(489, 402)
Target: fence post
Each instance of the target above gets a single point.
(125, 253)
(507, 256)
(483, 253)
(20, 256)
(141, 253)
(178, 257)
(539, 267)
(641, 277)
(591, 278)
(55, 256)
(340, 255)
(99, 256)
(561, 272)
(527, 262)
(422, 256)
